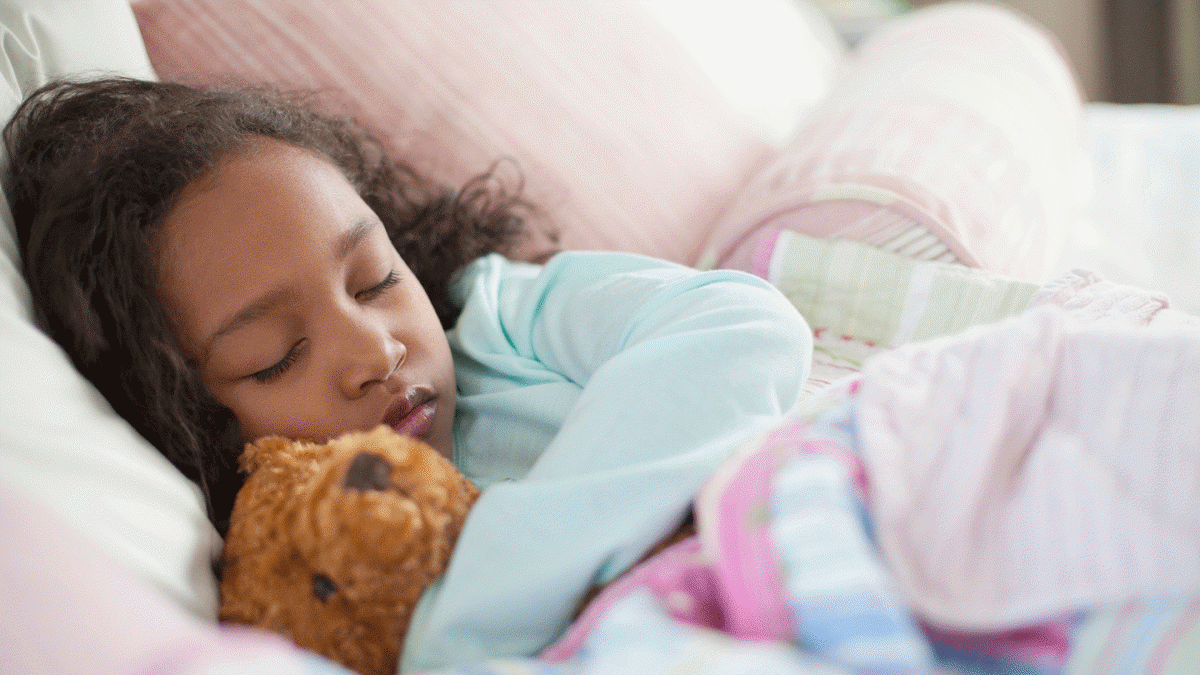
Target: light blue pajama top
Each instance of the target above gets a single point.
(596, 393)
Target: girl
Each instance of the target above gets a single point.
(228, 264)
(97, 164)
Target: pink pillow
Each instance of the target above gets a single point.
(620, 137)
(952, 134)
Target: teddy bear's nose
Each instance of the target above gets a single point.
(368, 471)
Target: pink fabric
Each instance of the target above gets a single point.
(732, 577)
(896, 227)
(622, 140)
(65, 607)
(1045, 646)
(725, 577)
(735, 526)
(963, 117)
(680, 577)
(1036, 467)
(1090, 299)
(763, 250)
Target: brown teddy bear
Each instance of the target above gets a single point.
(332, 544)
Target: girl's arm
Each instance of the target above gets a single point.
(608, 386)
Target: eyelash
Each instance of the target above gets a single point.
(272, 373)
(268, 375)
(373, 292)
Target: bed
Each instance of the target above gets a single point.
(892, 197)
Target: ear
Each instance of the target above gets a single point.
(281, 452)
(259, 452)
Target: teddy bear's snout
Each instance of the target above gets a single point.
(368, 471)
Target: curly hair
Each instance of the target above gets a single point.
(96, 167)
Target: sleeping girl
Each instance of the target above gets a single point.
(228, 264)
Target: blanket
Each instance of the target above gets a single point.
(929, 516)
(956, 506)
(1022, 496)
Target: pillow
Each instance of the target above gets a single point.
(59, 439)
(770, 60)
(952, 134)
(623, 139)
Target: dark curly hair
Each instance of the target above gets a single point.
(97, 165)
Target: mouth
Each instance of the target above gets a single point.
(413, 413)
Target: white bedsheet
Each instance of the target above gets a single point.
(1141, 224)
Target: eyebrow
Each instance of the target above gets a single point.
(354, 236)
(264, 305)
(249, 314)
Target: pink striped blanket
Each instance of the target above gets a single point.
(1012, 499)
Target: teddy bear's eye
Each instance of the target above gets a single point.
(323, 587)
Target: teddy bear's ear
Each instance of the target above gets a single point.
(255, 454)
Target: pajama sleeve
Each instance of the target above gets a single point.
(596, 394)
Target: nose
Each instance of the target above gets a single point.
(370, 355)
(368, 471)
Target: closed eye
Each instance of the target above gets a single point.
(378, 289)
(274, 372)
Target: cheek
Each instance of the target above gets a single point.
(283, 410)
(253, 419)
(441, 363)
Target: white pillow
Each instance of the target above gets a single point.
(59, 439)
(773, 60)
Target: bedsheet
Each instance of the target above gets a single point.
(1141, 221)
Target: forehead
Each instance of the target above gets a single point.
(266, 192)
(265, 168)
(267, 216)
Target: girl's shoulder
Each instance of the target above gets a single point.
(580, 268)
(602, 290)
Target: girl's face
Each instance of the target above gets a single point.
(299, 314)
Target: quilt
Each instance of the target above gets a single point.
(987, 476)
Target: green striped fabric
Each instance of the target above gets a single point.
(860, 300)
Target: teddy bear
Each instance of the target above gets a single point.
(331, 544)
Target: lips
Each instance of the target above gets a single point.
(412, 414)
